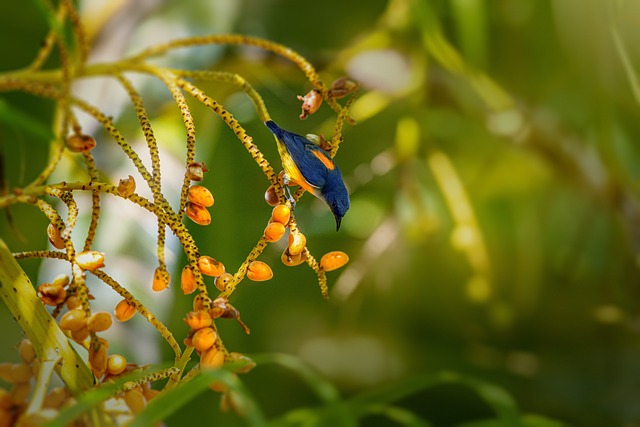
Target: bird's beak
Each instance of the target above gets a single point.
(338, 221)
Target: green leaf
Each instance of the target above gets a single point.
(167, 403)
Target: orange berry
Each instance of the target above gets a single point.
(258, 271)
(188, 280)
(98, 355)
(51, 294)
(200, 196)
(297, 243)
(5, 371)
(61, 280)
(73, 302)
(211, 359)
(124, 311)
(210, 266)
(274, 231)
(55, 398)
(199, 302)
(99, 322)
(198, 319)
(196, 170)
(20, 373)
(26, 351)
(79, 143)
(116, 364)
(281, 214)
(310, 102)
(333, 260)
(90, 260)
(20, 393)
(54, 236)
(292, 260)
(80, 335)
(150, 393)
(126, 187)
(161, 279)
(204, 339)
(135, 401)
(198, 214)
(223, 280)
(271, 196)
(73, 320)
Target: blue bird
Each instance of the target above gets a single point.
(309, 166)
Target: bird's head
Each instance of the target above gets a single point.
(336, 197)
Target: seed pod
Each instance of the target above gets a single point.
(26, 351)
(223, 280)
(90, 260)
(281, 214)
(134, 400)
(80, 143)
(188, 280)
(126, 187)
(210, 266)
(98, 355)
(258, 271)
(333, 260)
(198, 214)
(310, 103)
(198, 319)
(274, 232)
(116, 364)
(161, 279)
(54, 236)
(342, 87)
(271, 196)
(73, 320)
(51, 294)
(124, 311)
(99, 322)
(204, 339)
(200, 196)
(196, 170)
(211, 359)
(292, 260)
(297, 243)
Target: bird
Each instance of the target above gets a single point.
(309, 166)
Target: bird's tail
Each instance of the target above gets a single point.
(273, 127)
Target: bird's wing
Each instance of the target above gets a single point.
(312, 162)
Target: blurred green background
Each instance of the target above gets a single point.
(495, 221)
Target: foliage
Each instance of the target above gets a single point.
(493, 232)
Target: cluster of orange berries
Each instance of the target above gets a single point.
(78, 326)
(13, 403)
(199, 197)
(203, 336)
